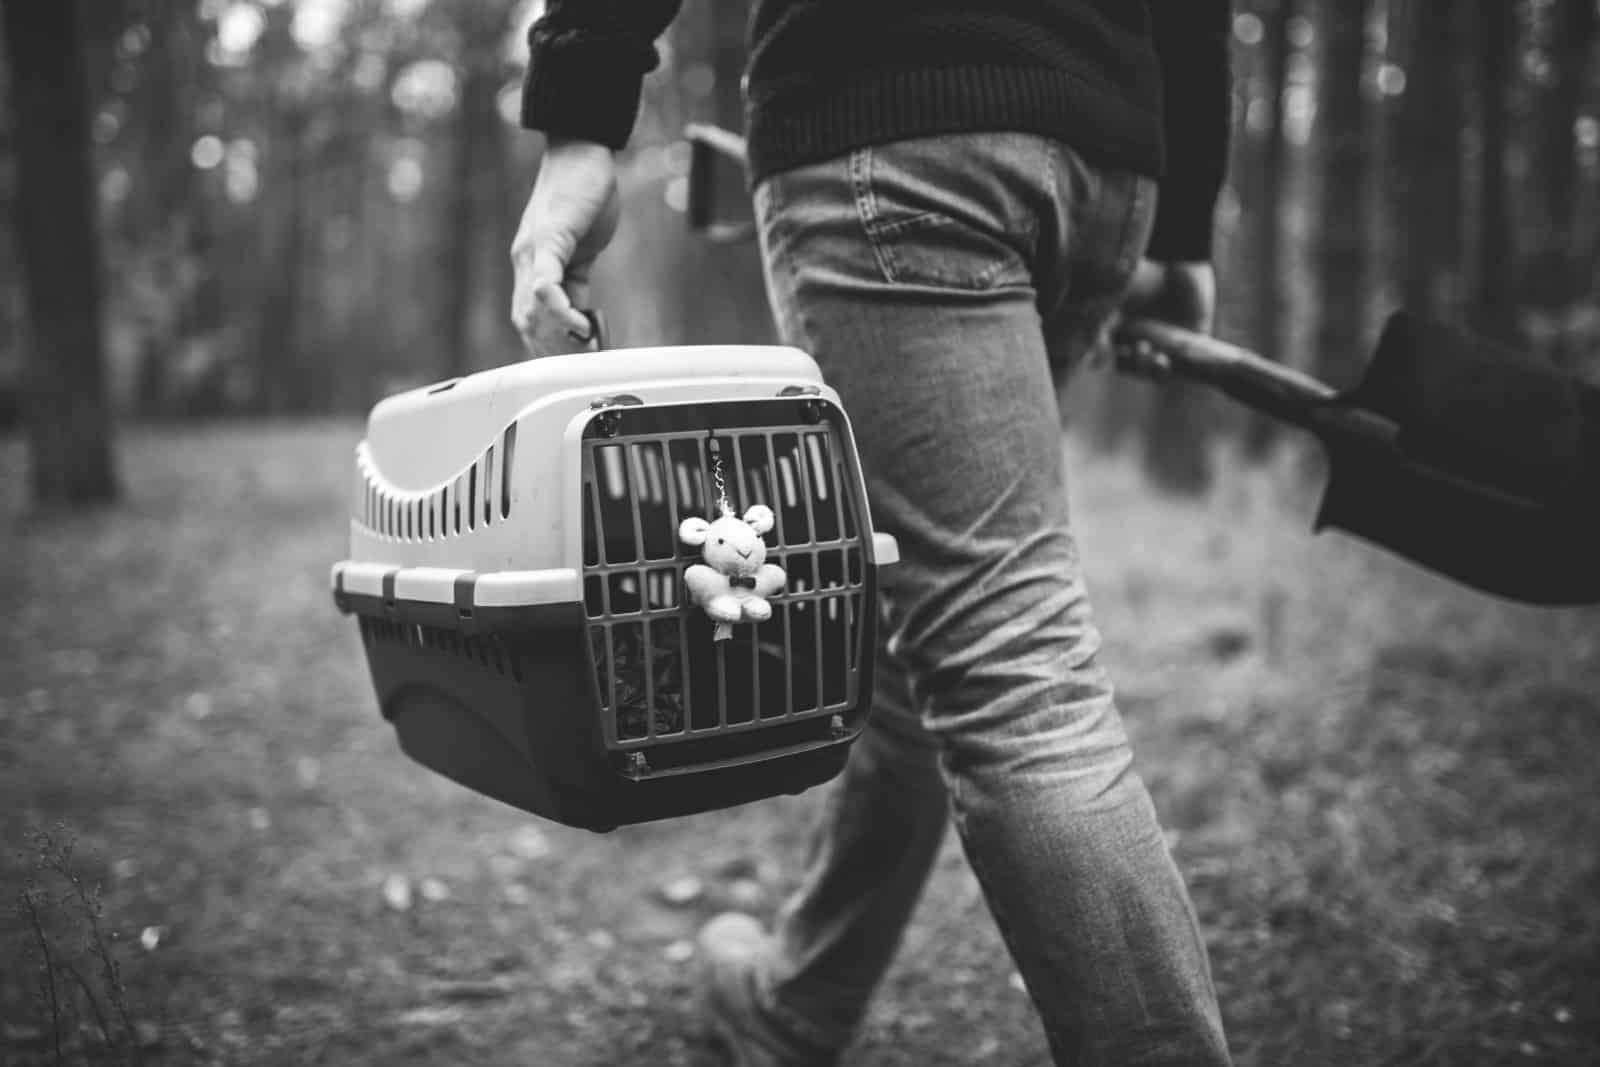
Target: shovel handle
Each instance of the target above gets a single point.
(1273, 388)
(706, 145)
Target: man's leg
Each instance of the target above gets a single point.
(908, 272)
(872, 848)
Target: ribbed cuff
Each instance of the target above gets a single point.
(581, 87)
(1184, 227)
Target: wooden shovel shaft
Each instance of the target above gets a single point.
(1272, 387)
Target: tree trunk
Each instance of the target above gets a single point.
(720, 293)
(1428, 163)
(278, 360)
(1345, 203)
(64, 392)
(1495, 31)
(477, 132)
(176, 226)
(1261, 432)
(1553, 280)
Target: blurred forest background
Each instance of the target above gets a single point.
(299, 205)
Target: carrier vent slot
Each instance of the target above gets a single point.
(488, 486)
(508, 452)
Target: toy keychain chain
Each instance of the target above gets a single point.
(724, 505)
(734, 581)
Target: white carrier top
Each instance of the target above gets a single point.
(482, 475)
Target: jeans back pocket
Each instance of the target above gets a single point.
(956, 211)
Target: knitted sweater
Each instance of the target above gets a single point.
(1135, 84)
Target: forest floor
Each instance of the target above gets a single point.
(1384, 791)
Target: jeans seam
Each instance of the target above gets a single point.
(867, 209)
(1128, 256)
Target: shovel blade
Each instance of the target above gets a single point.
(1490, 474)
(1505, 547)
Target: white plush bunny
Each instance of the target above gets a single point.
(735, 580)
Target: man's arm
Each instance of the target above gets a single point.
(1192, 39)
(586, 63)
(1175, 282)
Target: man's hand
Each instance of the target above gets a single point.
(1179, 294)
(571, 216)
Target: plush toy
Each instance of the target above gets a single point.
(735, 580)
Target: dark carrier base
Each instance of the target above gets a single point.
(489, 710)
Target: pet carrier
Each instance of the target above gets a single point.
(530, 549)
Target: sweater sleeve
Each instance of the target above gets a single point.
(586, 64)
(1192, 39)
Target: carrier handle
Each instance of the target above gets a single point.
(596, 341)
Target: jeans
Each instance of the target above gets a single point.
(942, 284)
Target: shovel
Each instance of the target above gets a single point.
(1457, 453)
(1453, 451)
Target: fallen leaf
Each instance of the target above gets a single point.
(682, 891)
(745, 892)
(530, 843)
(397, 892)
(468, 990)
(432, 1016)
(147, 1034)
(19, 1036)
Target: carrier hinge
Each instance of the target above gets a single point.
(609, 420)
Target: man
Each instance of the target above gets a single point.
(953, 198)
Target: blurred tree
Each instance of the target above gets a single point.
(477, 161)
(64, 393)
(1344, 206)
(719, 291)
(1495, 39)
(1270, 264)
(1426, 158)
(1554, 278)
(173, 225)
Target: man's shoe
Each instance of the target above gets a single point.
(731, 950)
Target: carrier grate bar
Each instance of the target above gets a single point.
(649, 665)
(596, 515)
(821, 656)
(722, 688)
(685, 673)
(776, 489)
(611, 686)
(802, 460)
(633, 473)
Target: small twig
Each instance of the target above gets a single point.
(94, 1005)
(31, 907)
(108, 964)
